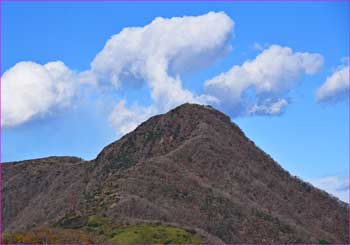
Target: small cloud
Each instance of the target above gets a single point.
(338, 186)
(258, 46)
(260, 86)
(336, 87)
(30, 90)
(125, 120)
(269, 107)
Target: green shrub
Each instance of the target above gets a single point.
(154, 234)
(99, 229)
(95, 221)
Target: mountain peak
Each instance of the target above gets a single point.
(190, 109)
(162, 133)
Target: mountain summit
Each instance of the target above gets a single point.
(191, 168)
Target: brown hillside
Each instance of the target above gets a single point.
(191, 167)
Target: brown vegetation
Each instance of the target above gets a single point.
(190, 167)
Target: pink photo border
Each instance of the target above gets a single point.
(1, 72)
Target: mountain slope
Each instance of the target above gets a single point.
(191, 167)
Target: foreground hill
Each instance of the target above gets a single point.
(190, 169)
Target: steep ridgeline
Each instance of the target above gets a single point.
(190, 168)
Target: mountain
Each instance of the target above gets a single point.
(190, 169)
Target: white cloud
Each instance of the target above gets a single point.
(125, 120)
(336, 86)
(260, 86)
(335, 185)
(158, 54)
(260, 47)
(269, 107)
(31, 90)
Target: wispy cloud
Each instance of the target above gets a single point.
(336, 185)
(125, 119)
(260, 47)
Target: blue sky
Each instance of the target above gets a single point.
(306, 131)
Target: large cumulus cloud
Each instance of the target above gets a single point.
(261, 86)
(30, 90)
(157, 54)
